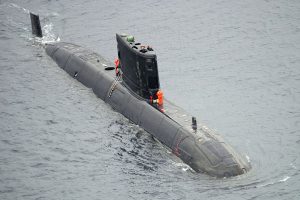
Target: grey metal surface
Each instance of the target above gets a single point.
(203, 150)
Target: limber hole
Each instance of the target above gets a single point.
(109, 68)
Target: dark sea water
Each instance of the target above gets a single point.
(233, 64)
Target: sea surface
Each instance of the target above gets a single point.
(233, 64)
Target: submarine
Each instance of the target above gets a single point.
(131, 87)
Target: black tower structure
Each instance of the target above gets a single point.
(138, 66)
(35, 25)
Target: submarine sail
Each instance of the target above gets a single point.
(138, 66)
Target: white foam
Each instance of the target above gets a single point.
(183, 166)
(49, 36)
(248, 158)
(284, 179)
(19, 7)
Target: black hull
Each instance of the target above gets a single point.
(202, 149)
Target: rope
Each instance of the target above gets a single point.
(113, 87)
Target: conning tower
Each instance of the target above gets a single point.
(138, 67)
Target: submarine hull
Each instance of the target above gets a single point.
(202, 149)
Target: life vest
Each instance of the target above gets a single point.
(117, 64)
(160, 97)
